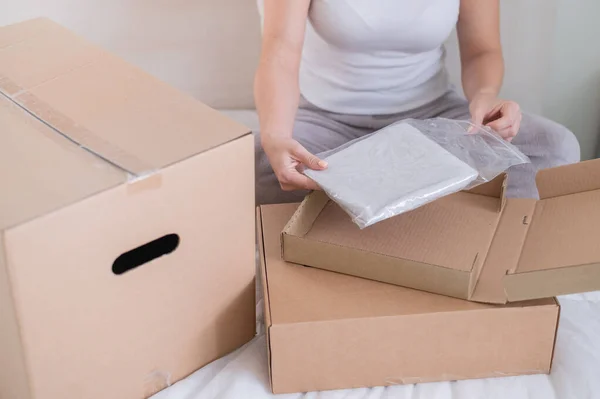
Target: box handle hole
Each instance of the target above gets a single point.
(145, 253)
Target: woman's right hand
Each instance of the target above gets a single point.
(287, 157)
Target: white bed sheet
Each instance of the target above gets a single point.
(575, 372)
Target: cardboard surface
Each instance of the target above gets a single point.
(331, 331)
(473, 217)
(77, 199)
(468, 245)
(131, 120)
(13, 378)
(44, 170)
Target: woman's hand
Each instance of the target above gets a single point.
(500, 115)
(287, 157)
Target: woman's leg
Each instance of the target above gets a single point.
(317, 131)
(546, 143)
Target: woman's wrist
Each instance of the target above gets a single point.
(270, 136)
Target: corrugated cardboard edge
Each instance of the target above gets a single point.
(569, 179)
(476, 270)
(15, 380)
(551, 282)
(495, 188)
(559, 308)
(304, 217)
(265, 287)
(516, 213)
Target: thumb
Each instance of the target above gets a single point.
(477, 116)
(307, 159)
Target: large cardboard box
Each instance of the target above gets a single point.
(473, 245)
(127, 229)
(328, 330)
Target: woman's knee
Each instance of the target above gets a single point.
(557, 145)
(565, 145)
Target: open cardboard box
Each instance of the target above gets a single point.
(333, 331)
(475, 245)
(119, 274)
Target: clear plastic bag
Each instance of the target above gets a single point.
(410, 163)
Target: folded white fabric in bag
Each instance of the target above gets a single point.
(395, 170)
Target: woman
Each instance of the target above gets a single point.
(359, 65)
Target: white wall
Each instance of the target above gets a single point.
(572, 89)
(209, 48)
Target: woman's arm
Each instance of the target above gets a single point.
(480, 49)
(483, 66)
(277, 93)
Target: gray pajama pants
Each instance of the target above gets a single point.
(546, 143)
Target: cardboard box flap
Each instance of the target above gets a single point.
(569, 179)
(495, 188)
(40, 171)
(102, 103)
(306, 214)
(561, 254)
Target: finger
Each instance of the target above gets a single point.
(511, 109)
(509, 113)
(517, 124)
(296, 181)
(501, 124)
(477, 115)
(509, 133)
(493, 114)
(507, 128)
(309, 160)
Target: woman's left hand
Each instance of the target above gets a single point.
(500, 115)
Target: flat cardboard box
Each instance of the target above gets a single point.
(474, 245)
(332, 331)
(99, 159)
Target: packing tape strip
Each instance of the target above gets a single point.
(139, 184)
(74, 132)
(8, 87)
